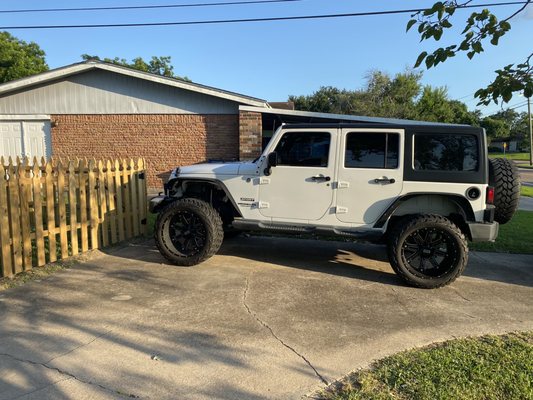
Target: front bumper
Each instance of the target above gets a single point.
(483, 231)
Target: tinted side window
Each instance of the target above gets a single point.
(371, 150)
(304, 149)
(446, 152)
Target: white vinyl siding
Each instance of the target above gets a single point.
(104, 92)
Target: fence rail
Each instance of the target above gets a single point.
(57, 209)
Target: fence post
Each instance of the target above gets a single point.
(7, 266)
(83, 206)
(73, 201)
(135, 211)
(127, 198)
(93, 206)
(38, 211)
(14, 217)
(62, 209)
(143, 195)
(24, 184)
(120, 206)
(103, 222)
(112, 214)
(51, 213)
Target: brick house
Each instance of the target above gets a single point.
(95, 109)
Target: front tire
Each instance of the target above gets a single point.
(188, 232)
(427, 251)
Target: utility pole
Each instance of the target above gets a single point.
(530, 131)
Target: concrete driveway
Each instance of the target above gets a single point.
(268, 318)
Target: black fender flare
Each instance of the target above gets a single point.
(462, 203)
(216, 183)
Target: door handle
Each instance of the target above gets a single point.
(384, 180)
(320, 178)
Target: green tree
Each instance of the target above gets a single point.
(495, 128)
(516, 125)
(19, 59)
(479, 28)
(434, 105)
(157, 65)
(395, 97)
(382, 96)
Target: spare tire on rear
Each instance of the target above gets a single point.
(503, 176)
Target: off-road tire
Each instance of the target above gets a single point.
(503, 176)
(432, 226)
(207, 223)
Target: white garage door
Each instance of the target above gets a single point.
(25, 139)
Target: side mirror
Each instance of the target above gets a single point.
(272, 161)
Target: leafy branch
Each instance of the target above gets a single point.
(480, 27)
(508, 80)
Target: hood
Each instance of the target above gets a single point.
(209, 169)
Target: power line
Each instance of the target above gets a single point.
(512, 107)
(467, 96)
(246, 20)
(152, 6)
(519, 105)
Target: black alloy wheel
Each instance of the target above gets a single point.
(188, 232)
(427, 251)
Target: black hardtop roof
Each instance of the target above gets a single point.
(408, 125)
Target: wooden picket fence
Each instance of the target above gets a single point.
(57, 209)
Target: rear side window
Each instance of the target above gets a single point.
(371, 150)
(304, 149)
(446, 152)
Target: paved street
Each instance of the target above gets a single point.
(267, 318)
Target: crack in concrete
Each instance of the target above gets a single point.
(458, 293)
(80, 346)
(265, 325)
(70, 375)
(42, 388)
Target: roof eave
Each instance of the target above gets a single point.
(89, 65)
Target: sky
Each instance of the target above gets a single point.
(272, 60)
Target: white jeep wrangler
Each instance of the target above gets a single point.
(425, 189)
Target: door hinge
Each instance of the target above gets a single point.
(263, 204)
(341, 210)
(343, 185)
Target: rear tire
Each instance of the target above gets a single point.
(427, 251)
(188, 232)
(503, 176)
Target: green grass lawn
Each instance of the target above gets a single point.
(515, 237)
(526, 191)
(511, 156)
(485, 368)
(150, 223)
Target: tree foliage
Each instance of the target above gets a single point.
(480, 28)
(402, 96)
(508, 124)
(157, 65)
(19, 59)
